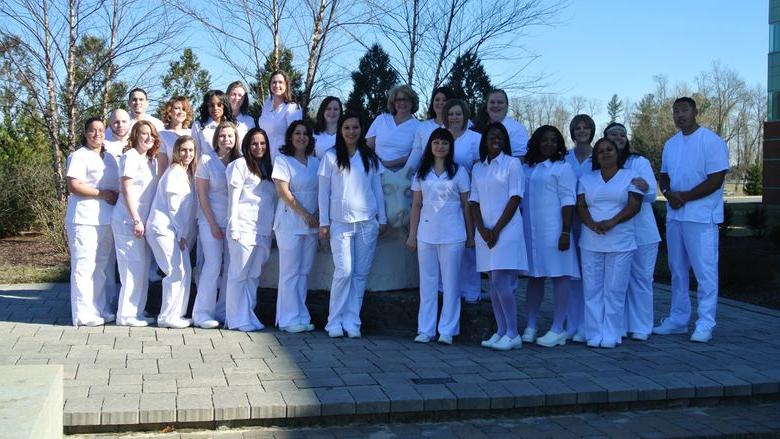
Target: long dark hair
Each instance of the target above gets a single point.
(288, 148)
(534, 154)
(483, 143)
(367, 155)
(594, 158)
(319, 122)
(426, 163)
(447, 95)
(262, 167)
(227, 111)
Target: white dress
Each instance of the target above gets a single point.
(275, 122)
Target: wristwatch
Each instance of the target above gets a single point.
(136, 222)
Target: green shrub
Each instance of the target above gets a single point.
(754, 180)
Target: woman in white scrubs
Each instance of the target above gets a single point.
(296, 225)
(440, 228)
(639, 301)
(495, 110)
(391, 135)
(496, 193)
(239, 107)
(211, 184)
(251, 201)
(548, 210)
(352, 215)
(177, 117)
(279, 111)
(213, 110)
(436, 117)
(607, 200)
(92, 180)
(325, 125)
(138, 169)
(582, 129)
(171, 232)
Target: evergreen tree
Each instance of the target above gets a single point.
(259, 91)
(185, 78)
(371, 82)
(469, 81)
(614, 108)
(91, 72)
(754, 180)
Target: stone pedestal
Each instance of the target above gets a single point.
(31, 402)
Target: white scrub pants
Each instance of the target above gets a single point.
(693, 245)
(133, 256)
(175, 264)
(502, 286)
(470, 284)
(605, 278)
(90, 249)
(247, 256)
(296, 256)
(435, 258)
(213, 277)
(639, 301)
(353, 246)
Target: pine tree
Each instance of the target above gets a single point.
(371, 82)
(259, 91)
(614, 108)
(754, 180)
(186, 78)
(92, 70)
(469, 81)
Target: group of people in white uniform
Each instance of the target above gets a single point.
(486, 199)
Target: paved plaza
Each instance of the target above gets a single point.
(122, 377)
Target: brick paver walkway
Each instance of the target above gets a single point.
(120, 375)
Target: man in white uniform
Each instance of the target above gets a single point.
(116, 138)
(138, 103)
(694, 165)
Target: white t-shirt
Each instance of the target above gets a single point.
(173, 209)
(204, 136)
(251, 201)
(605, 200)
(352, 195)
(518, 136)
(211, 169)
(645, 228)
(393, 141)
(86, 166)
(579, 168)
(155, 121)
(143, 185)
(323, 142)
(303, 181)
(467, 149)
(168, 139)
(115, 148)
(441, 217)
(275, 122)
(688, 160)
(244, 123)
(421, 136)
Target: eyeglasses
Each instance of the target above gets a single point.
(402, 99)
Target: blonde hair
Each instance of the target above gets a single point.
(393, 95)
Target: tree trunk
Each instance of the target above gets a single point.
(413, 42)
(52, 115)
(110, 68)
(70, 87)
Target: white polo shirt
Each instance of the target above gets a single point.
(645, 228)
(86, 166)
(168, 139)
(393, 141)
(303, 181)
(349, 196)
(605, 200)
(250, 201)
(441, 217)
(143, 185)
(203, 135)
(275, 122)
(688, 160)
(244, 123)
(173, 209)
(518, 136)
(211, 169)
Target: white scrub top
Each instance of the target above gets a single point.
(173, 209)
(441, 217)
(250, 201)
(244, 123)
(204, 135)
(352, 195)
(158, 125)
(645, 228)
(467, 149)
(688, 160)
(605, 200)
(275, 122)
(518, 136)
(143, 185)
(579, 168)
(549, 187)
(303, 182)
(492, 185)
(86, 166)
(421, 136)
(323, 142)
(168, 139)
(211, 168)
(393, 141)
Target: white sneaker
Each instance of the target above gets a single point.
(529, 335)
(208, 324)
(491, 341)
(445, 339)
(110, 317)
(336, 333)
(175, 324)
(578, 338)
(701, 335)
(552, 339)
(422, 338)
(506, 343)
(309, 327)
(293, 329)
(133, 321)
(97, 321)
(640, 336)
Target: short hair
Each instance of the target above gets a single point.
(176, 154)
(595, 165)
(234, 152)
(136, 131)
(87, 123)
(227, 111)
(447, 96)
(405, 89)
(263, 167)
(139, 89)
(288, 95)
(588, 122)
(483, 143)
(319, 121)
(686, 99)
(427, 161)
(534, 154)
(288, 148)
(185, 104)
(244, 108)
(457, 103)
